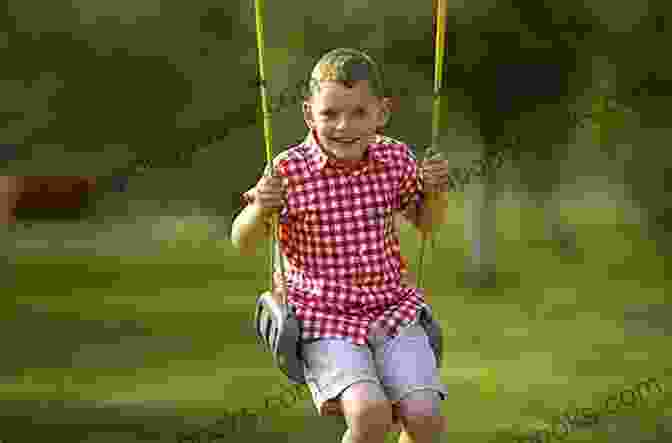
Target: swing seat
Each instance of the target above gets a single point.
(279, 332)
(434, 333)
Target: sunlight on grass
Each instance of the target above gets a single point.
(515, 354)
(196, 383)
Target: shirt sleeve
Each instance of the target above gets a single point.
(410, 189)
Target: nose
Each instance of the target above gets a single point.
(343, 123)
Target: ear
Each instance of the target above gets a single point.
(308, 115)
(386, 111)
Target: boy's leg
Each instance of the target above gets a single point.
(367, 413)
(421, 418)
(336, 372)
(408, 372)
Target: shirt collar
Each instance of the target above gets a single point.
(320, 159)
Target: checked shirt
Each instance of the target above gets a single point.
(337, 235)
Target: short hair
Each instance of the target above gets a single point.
(347, 66)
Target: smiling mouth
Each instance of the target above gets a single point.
(344, 141)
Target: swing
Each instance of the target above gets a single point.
(277, 328)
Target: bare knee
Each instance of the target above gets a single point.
(369, 421)
(369, 417)
(420, 415)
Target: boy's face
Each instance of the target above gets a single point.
(344, 118)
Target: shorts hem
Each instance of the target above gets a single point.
(396, 396)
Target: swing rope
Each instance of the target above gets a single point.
(433, 148)
(270, 171)
(441, 12)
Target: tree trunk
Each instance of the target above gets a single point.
(480, 228)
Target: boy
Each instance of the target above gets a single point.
(339, 192)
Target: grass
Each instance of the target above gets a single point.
(171, 333)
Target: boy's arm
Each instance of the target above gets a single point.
(430, 213)
(249, 227)
(424, 209)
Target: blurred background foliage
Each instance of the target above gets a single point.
(115, 90)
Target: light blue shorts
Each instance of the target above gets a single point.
(399, 365)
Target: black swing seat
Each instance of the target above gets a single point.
(279, 331)
(434, 333)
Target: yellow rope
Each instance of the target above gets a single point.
(441, 12)
(259, 9)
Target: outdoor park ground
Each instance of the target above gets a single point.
(103, 345)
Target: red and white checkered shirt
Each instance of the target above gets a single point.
(344, 264)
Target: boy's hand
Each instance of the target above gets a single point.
(435, 173)
(269, 195)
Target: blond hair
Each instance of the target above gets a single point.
(346, 65)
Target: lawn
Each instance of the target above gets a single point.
(138, 347)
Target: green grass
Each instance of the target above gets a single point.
(554, 334)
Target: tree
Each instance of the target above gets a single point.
(528, 69)
(644, 86)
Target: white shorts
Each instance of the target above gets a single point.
(399, 365)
